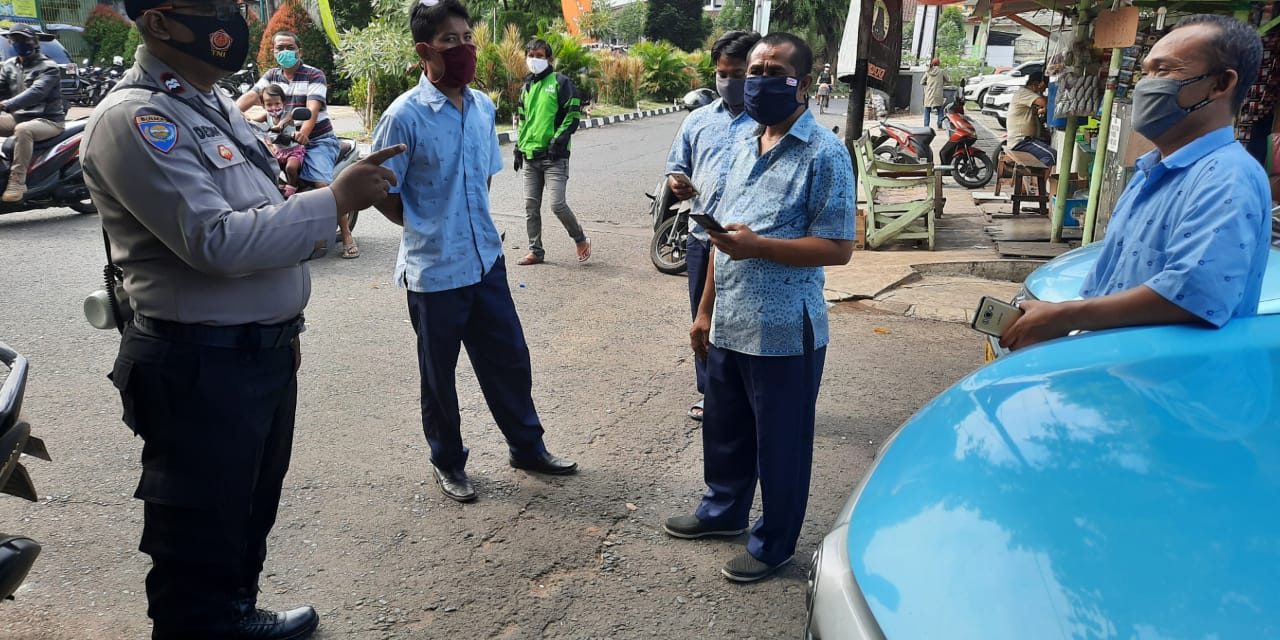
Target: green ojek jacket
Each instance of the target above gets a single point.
(548, 113)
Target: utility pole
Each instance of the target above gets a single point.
(760, 18)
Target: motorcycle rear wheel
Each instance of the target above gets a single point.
(667, 249)
(973, 170)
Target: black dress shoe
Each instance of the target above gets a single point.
(546, 463)
(454, 484)
(261, 624)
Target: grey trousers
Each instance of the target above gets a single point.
(554, 176)
(27, 134)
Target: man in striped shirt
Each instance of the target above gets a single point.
(305, 86)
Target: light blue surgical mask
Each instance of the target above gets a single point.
(287, 59)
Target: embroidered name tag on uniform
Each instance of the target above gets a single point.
(157, 131)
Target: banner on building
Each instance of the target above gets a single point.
(873, 33)
(19, 11)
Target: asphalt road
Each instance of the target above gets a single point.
(363, 533)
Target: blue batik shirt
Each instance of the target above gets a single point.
(702, 150)
(804, 186)
(1194, 227)
(442, 177)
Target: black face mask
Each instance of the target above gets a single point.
(222, 43)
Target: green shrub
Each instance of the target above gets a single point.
(131, 44)
(107, 32)
(665, 75)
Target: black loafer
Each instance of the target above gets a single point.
(546, 463)
(454, 484)
(746, 568)
(691, 528)
(261, 624)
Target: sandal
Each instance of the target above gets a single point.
(584, 250)
(696, 411)
(532, 258)
(350, 251)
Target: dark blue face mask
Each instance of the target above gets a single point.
(24, 49)
(771, 99)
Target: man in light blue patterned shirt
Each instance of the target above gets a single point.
(788, 208)
(1189, 239)
(451, 257)
(702, 151)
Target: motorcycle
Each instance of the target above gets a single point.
(669, 216)
(17, 553)
(971, 167)
(240, 82)
(348, 152)
(55, 178)
(911, 145)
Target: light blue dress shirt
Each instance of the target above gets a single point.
(442, 177)
(804, 186)
(1193, 227)
(702, 150)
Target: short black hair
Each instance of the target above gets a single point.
(1236, 46)
(539, 43)
(287, 34)
(734, 44)
(1036, 77)
(426, 19)
(802, 59)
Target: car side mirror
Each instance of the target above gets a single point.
(1015, 73)
(301, 113)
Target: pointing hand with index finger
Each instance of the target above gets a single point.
(366, 182)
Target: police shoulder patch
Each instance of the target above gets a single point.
(157, 130)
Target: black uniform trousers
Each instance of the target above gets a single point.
(217, 426)
(483, 317)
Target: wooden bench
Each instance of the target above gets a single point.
(1020, 166)
(891, 214)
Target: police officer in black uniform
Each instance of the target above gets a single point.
(214, 262)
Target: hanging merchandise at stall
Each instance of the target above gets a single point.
(1261, 100)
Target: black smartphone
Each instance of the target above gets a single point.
(708, 222)
(994, 317)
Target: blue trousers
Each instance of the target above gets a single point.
(758, 424)
(483, 317)
(696, 254)
(937, 110)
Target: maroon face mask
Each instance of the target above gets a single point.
(459, 66)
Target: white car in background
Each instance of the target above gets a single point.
(995, 101)
(976, 88)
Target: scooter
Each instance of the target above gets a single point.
(670, 219)
(55, 178)
(910, 144)
(240, 82)
(348, 152)
(971, 167)
(17, 553)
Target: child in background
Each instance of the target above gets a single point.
(289, 153)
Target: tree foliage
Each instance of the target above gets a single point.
(676, 21)
(821, 22)
(599, 23)
(379, 59)
(735, 15)
(951, 32)
(666, 70)
(629, 26)
(106, 32)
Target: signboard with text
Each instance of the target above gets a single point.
(19, 11)
(872, 33)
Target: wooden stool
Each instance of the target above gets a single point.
(1021, 165)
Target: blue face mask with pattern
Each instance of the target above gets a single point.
(771, 99)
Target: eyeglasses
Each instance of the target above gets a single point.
(221, 11)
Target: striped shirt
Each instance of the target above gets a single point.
(308, 84)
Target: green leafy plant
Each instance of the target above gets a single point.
(629, 26)
(621, 78)
(379, 60)
(500, 67)
(107, 33)
(960, 69)
(665, 70)
(702, 69)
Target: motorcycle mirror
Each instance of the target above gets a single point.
(301, 113)
(85, 62)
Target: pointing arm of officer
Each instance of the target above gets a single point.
(170, 187)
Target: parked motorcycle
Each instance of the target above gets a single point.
(240, 82)
(17, 553)
(972, 168)
(55, 178)
(903, 144)
(670, 219)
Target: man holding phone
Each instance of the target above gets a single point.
(702, 150)
(788, 204)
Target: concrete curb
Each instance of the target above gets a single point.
(507, 137)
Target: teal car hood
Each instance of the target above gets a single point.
(1117, 484)
(1060, 279)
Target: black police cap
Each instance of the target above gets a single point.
(136, 8)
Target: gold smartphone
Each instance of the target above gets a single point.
(994, 317)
